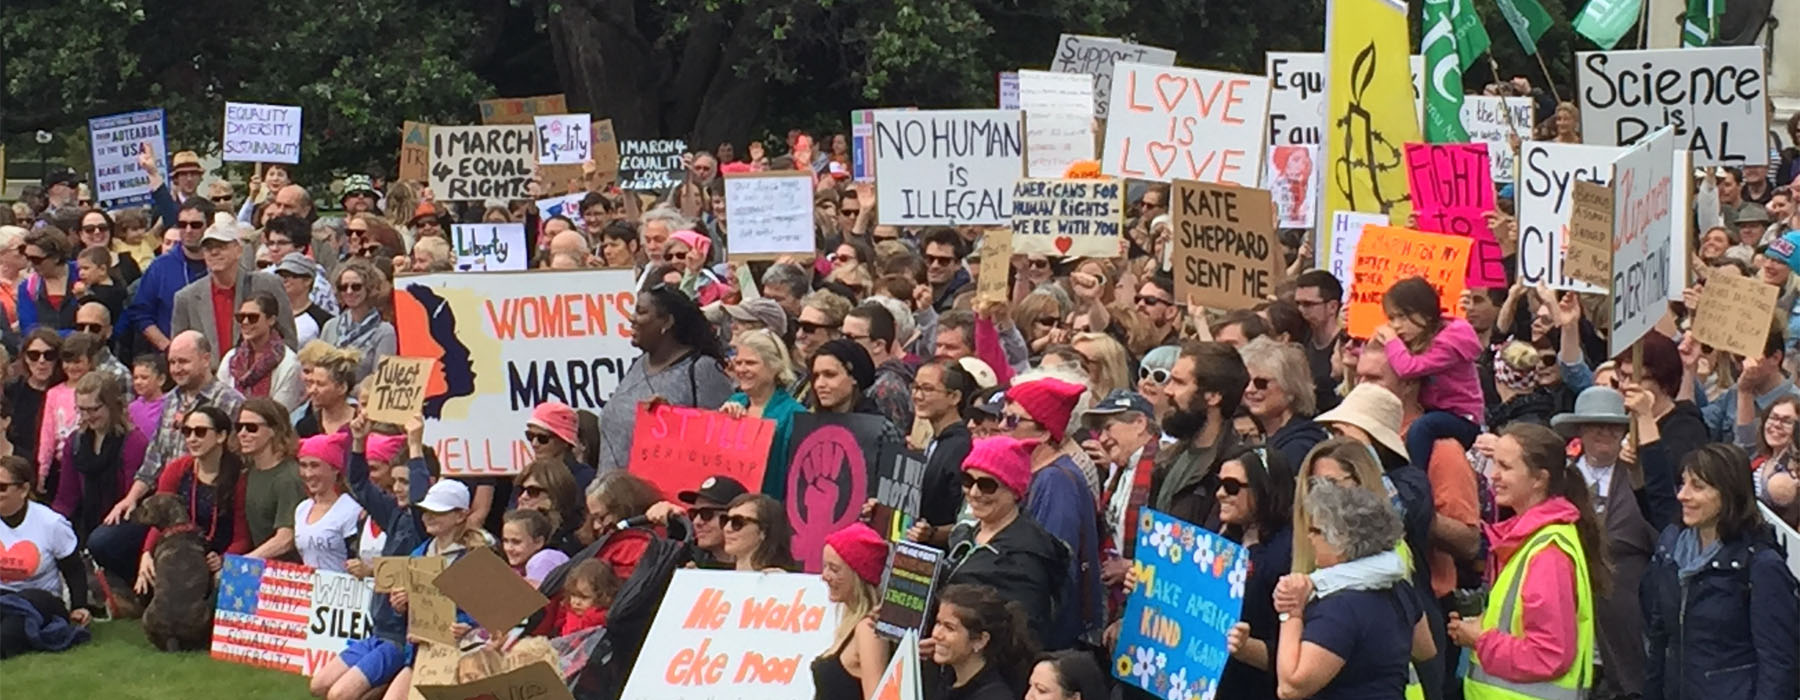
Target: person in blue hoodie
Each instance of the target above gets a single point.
(149, 314)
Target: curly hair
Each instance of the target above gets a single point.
(559, 483)
(1358, 523)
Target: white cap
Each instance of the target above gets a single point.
(445, 496)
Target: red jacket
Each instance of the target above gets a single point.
(622, 552)
(170, 482)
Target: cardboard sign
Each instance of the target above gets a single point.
(729, 635)
(1589, 256)
(1293, 180)
(490, 247)
(1452, 191)
(1490, 119)
(478, 163)
(258, 133)
(489, 590)
(391, 574)
(1097, 56)
(1068, 217)
(993, 283)
(115, 143)
(399, 389)
(434, 664)
(1346, 233)
(1226, 252)
(429, 613)
(676, 447)
(564, 139)
(831, 473)
(539, 681)
(1735, 313)
(606, 151)
(901, 680)
(415, 152)
(771, 214)
(1059, 120)
(1714, 97)
(650, 165)
(1190, 591)
(1185, 123)
(1372, 106)
(287, 617)
(521, 110)
(505, 343)
(1546, 201)
(947, 167)
(1388, 254)
(1642, 227)
(907, 589)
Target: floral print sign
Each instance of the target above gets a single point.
(1189, 593)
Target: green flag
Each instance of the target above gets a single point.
(1605, 22)
(1702, 23)
(1471, 36)
(1528, 20)
(1443, 74)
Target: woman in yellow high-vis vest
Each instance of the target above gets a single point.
(1536, 637)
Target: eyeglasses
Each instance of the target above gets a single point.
(1231, 486)
(810, 327)
(94, 328)
(191, 225)
(533, 491)
(249, 428)
(940, 260)
(737, 522)
(246, 319)
(40, 355)
(1156, 375)
(986, 485)
(1012, 420)
(673, 256)
(350, 287)
(1038, 264)
(1153, 301)
(88, 408)
(196, 431)
(1309, 303)
(93, 228)
(1260, 383)
(538, 438)
(706, 515)
(1783, 421)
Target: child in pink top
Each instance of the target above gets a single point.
(1439, 351)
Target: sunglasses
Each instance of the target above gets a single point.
(1156, 375)
(249, 428)
(674, 256)
(1012, 420)
(538, 438)
(706, 515)
(40, 355)
(849, 212)
(1231, 486)
(94, 328)
(809, 327)
(1038, 264)
(357, 232)
(533, 491)
(1153, 301)
(93, 228)
(1259, 383)
(36, 259)
(350, 287)
(246, 319)
(88, 408)
(1547, 360)
(222, 199)
(737, 522)
(195, 431)
(937, 260)
(191, 225)
(986, 485)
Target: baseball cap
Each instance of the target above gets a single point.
(761, 310)
(61, 175)
(716, 489)
(445, 496)
(993, 407)
(1120, 401)
(223, 231)
(296, 264)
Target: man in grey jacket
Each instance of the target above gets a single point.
(210, 305)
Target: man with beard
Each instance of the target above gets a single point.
(1205, 389)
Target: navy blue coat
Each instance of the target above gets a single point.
(1731, 632)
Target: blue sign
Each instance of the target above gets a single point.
(1189, 593)
(116, 142)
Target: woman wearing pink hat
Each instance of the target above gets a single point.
(553, 431)
(326, 521)
(855, 558)
(687, 252)
(1003, 547)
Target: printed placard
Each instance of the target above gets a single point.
(1490, 119)
(899, 489)
(1388, 254)
(1096, 56)
(771, 214)
(564, 139)
(1059, 120)
(1346, 233)
(907, 588)
(1293, 180)
(521, 110)
(115, 142)
(415, 152)
(1189, 593)
(1007, 89)
(831, 473)
(1735, 313)
(1452, 191)
(399, 389)
(993, 280)
(650, 165)
(862, 146)
(490, 247)
(478, 163)
(1714, 97)
(259, 133)
(1546, 201)
(287, 617)
(947, 167)
(729, 635)
(1589, 256)
(1186, 123)
(1068, 217)
(1226, 252)
(676, 447)
(1642, 227)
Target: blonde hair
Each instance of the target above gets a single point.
(1111, 370)
(483, 662)
(1360, 461)
(342, 363)
(1036, 305)
(772, 351)
(862, 601)
(1519, 355)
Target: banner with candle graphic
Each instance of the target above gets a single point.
(1190, 591)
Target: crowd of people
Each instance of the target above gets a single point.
(1475, 503)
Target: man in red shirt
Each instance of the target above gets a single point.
(210, 305)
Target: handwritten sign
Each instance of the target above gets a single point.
(1190, 591)
(1490, 120)
(771, 214)
(391, 574)
(1293, 180)
(1452, 190)
(1735, 313)
(490, 247)
(1186, 123)
(1059, 120)
(651, 165)
(564, 139)
(415, 152)
(538, 681)
(1006, 89)
(1642, 227)
(676, 447)
(1714, 97)
(521, 110)
(993, 282)
(1388, 254)
(606, 150)
(947, 167)
(907, 588)
(1346, 232)
(115, 143)
(728, 635)
(899, 489)
(1226, 253)
(490, 591)
(1296, 97)
(1096, 56)
(1068, 217)
(399, 389)
(478, 163)
(1546, 201)
(1590, 236)
(261, 133)
(429, 613)
(288, 617)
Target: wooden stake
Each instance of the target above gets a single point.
(1637, 372)
(1548, 81)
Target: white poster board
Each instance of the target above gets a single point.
(771, 214)
(564, 139)
(1715, 97)
(1346, 233)
(115, 142)
(1641, 238)
(1186, 123)
(1546, 198)
(259, 133)
(1095, 56)
(478, 163)
(731, 635)
(490, 247)
(1486, 119)
(1008, 89)
(947, 167)
(1059, 121)
(567, 206)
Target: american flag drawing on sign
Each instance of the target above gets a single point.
(262, 611)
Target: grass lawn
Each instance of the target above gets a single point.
(118, 664)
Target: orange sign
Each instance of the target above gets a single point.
(1388, 254)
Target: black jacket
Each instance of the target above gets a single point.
(941, 496)
(1534, 407)
(1726, 633)
(1023, 562)
(1296, 439)
(988, 684)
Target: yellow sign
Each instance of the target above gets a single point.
(1371, 116)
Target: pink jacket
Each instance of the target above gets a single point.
(1548, 647)
(1447, 370)
(58, 421)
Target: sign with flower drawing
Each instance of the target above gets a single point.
(1190, 589)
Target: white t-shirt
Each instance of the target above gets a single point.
(325, 544)
(28, 553)
(373, 539)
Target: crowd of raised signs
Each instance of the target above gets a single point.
(1485, 501)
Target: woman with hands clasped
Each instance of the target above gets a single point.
(760, 363)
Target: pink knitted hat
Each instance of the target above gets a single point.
(863, 549)
(330, 448)
(695, 240)
(384, 448)
(1009, 460)
(558, 418)
(1049, 401)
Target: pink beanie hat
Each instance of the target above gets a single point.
(1009, 460)
(863, 549)
(558, 418)
(384, 448)
(700, 243)
(1049, 401)
(330, 449)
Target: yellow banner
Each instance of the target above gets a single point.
(1371, 116)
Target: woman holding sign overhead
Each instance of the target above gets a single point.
(262, 364)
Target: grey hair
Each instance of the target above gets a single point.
(669, 216)
(1355, 521)
(1288, 366)
(789, 277)
(904, 325)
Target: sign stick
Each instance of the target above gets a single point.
(1548, 81)
(1637, 370)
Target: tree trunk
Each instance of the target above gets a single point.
(607, 66)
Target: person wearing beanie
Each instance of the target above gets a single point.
(1005, 548)
(325, 522)
(841, 374)
(855, 558)
(553, 434)
(1059, 498)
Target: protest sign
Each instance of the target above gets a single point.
(391, 574)
(539, 681)
(899, 486)
(1096, 56)
(831, 474)
(564, 139)
(415, 152)
(1007, 90)
(521, 110)
(728, 635)
(1734, 314)
(1172, 640)
(771, 214)
(1452, 191)
(1186, 123)
(1642, 227)
(567, 206)
(478, 163)
(901, 680)
(1491, 119)
(994, 277)
(650, 165)
(434, 664)
(487, 589)
(258, 133)
(1714, 98)
(907, 589)
(1068, 217)
(606, 151)
(1346, 233)
(288, 617)
(1293, 180)
(399, 389)
(947, 167)
(490, 247)
(429, 613)
(1059, 120)
(1226, 253)
(1589, 254)
(676, 447)
(1546, 200)
(1297, 98)
(1372, 106)
(1682, 238)
(862, 145)
(115, 143)
(506, 342)
(1388, 254)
